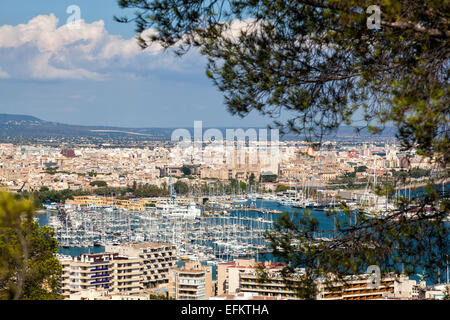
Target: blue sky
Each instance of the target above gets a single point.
(96, 75)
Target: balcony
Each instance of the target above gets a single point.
(103, 275)
(100, 281)
(192, 275)
(100, 269)
(101, 262)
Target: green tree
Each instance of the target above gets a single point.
(321, 62)
(251, 179)
(149, 190)
(186, 171)
(281, 188)
(98, 183)
(233, 185)
(419, 173)
(45, 195)
(51, 170)
(44, 189)
(361, 169)
(269, 178)
(181, 187)
(29, 268)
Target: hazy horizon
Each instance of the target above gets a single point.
(97, 74)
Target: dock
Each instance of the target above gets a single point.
(260, 210)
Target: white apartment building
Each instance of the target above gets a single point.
(105, 271)
(157, 259)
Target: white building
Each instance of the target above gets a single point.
(175, 210)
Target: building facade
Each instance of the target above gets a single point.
(193, 281)
(157, 259)
(360, 288)
(105, 271)
(242, 276)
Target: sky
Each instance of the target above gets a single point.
(96, 74)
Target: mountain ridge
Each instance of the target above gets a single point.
(20, 125)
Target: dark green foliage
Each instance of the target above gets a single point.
(186, 171)
(51, 170)
(269, 178)
(98, 183)
(148, 190)
(234, 185)
(29, 268)
(281, 188)
(181, 187)
(361, 169)
(348, 181)
(44, 195)
(419, 173)
(251, 179)
(44, 189)
(413, 173)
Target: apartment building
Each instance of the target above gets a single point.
(193, 281)
(228, 275)
(241, 276)
(360, 288)
(275, 286)
(353, 288)
(127, 275)
(157, 259)
(103, 271)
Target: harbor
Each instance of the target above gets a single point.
(219, 230)
(212, 236)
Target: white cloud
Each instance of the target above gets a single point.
(41, 50)
(236, 27)
(42, 68)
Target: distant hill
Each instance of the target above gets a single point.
(5, 118)
(12, 125)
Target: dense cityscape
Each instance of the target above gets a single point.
(158, 222)
(224, 159)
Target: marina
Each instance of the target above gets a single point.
(220, 230)
(214, 236)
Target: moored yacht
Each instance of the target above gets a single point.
(174, 210)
